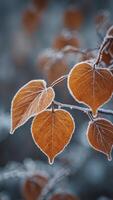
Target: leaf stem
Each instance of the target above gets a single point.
(85, 110)
(100, 51)
(59, 80)
(52, 107)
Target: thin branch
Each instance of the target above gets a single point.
(92, 49)
(110, 67)
(53, 181)
(71, 49)
(59, 80)
(85, 110)
(105, 111)
(101, 50)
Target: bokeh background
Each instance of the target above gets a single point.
(32, 36)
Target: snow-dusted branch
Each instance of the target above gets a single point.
(85, 110)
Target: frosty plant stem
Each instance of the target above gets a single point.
(105, 42)
(71, 49)
(62, 78)
(85, 110)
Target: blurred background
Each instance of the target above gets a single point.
(34, 40)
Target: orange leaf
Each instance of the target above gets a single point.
(30, 20)
(106, 58)
(107, 53)
(63, 196)
(40, 4)
(57, 69)
(90, 86)
(33, 186)
(100, 136)
(65, 39)
(73, 18)
(52, 68)
(30, 100)
(102, 19)
(52, 131)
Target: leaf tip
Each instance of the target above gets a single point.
(51, 161)
(109, 157)
(11, 131)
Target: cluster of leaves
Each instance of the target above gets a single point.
(89, 82)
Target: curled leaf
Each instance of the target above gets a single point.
(100, 136)
(91, 86)
(107, 54)
(52, 131)
(30, 100)
(106, 58)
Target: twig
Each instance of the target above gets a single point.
(56, 178)
(101, 49)
(85, 110)
(69, 49)
(59, 80)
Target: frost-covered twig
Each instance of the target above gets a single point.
(50, 186)
(85, 110)
(71, 49)
(59, 80)
(17, 170)
(105, 42)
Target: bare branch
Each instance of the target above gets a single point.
(71, 49)
(85, 110)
